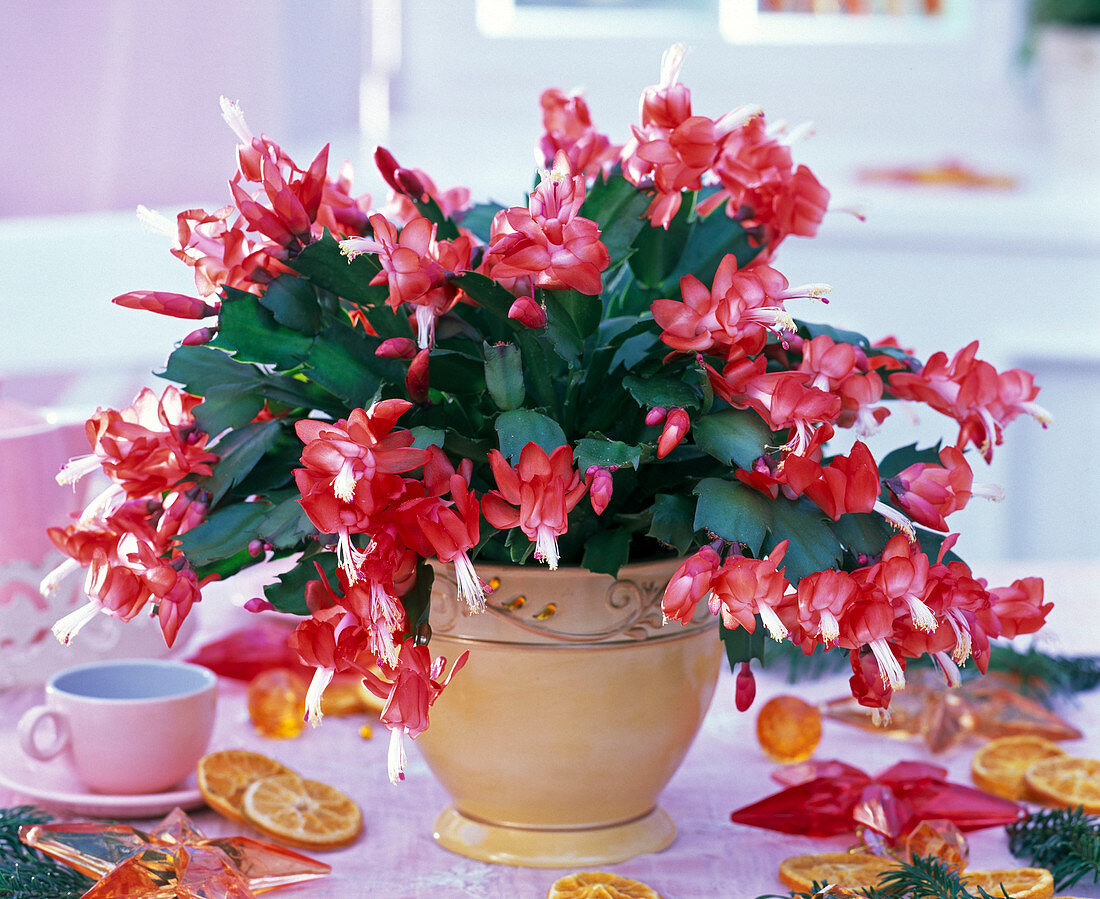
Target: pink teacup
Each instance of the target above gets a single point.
(131, 726)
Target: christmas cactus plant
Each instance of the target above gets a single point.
(613, 371)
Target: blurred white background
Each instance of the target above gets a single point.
(112, 104)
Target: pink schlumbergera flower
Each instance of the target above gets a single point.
(548, 242)
(972, 392)
(929, 493)
(351, 470)
(735, 316)
(537, 496)
(414, 687)
(416, 267)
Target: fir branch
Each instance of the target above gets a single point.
(25, 873)
(1064, 841)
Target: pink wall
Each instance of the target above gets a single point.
(112, 103)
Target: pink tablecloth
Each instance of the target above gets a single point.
(712, 857)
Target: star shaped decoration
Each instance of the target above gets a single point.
(173, 861)
(824, 799)
(943, 716)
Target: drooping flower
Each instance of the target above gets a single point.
(329, 641)
(415, 686)
(822, 598)
(537, 495)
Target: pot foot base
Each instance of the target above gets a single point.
(553, 848)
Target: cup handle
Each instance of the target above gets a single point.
(28, 730)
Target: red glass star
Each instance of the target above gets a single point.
(824, 799)
(176, 859)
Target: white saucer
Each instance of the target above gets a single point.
(53, 784)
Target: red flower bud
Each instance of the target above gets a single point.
(656, 416)
(600, 488)
(416, 381)
(744, 688)
(396, 348)
(176, 305)
(528, 313)
(199, 337)
(676, 428)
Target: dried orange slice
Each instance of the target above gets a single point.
(224, 776)
(842, 869)
(599, 885)
(1020, 883)
(999, 766)
(1066, 781)
(303, 813)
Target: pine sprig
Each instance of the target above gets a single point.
(25, 873)
(1064, 841)
(922, 877)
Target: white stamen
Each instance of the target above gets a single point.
(888, 665)
(671, 61)
(829, 628)
(896, 519)
(855, 209)
(923, 618)
(993, 492)
(964, 643)
(348, 557)
(154, 222)
(738, 118)
(797, 133)
(776, 629)
(948, 668)
(234, 118)
(425, 327)
(395, 758)
(813, 291)
(356, 246)
(546, 547)
(1037, 412)
(73, 470)
(880, 717)
(101, 506)
(343, 485)
(470, 589)
(68, 627)
(322, 677)
(53, 580)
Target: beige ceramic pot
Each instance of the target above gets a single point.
(573, 712)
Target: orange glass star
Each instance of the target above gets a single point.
(174, 861)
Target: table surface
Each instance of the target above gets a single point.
(711, 857)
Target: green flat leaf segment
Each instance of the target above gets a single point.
(813, 546)
(732, 436)
(732, 511)
(519, 427)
